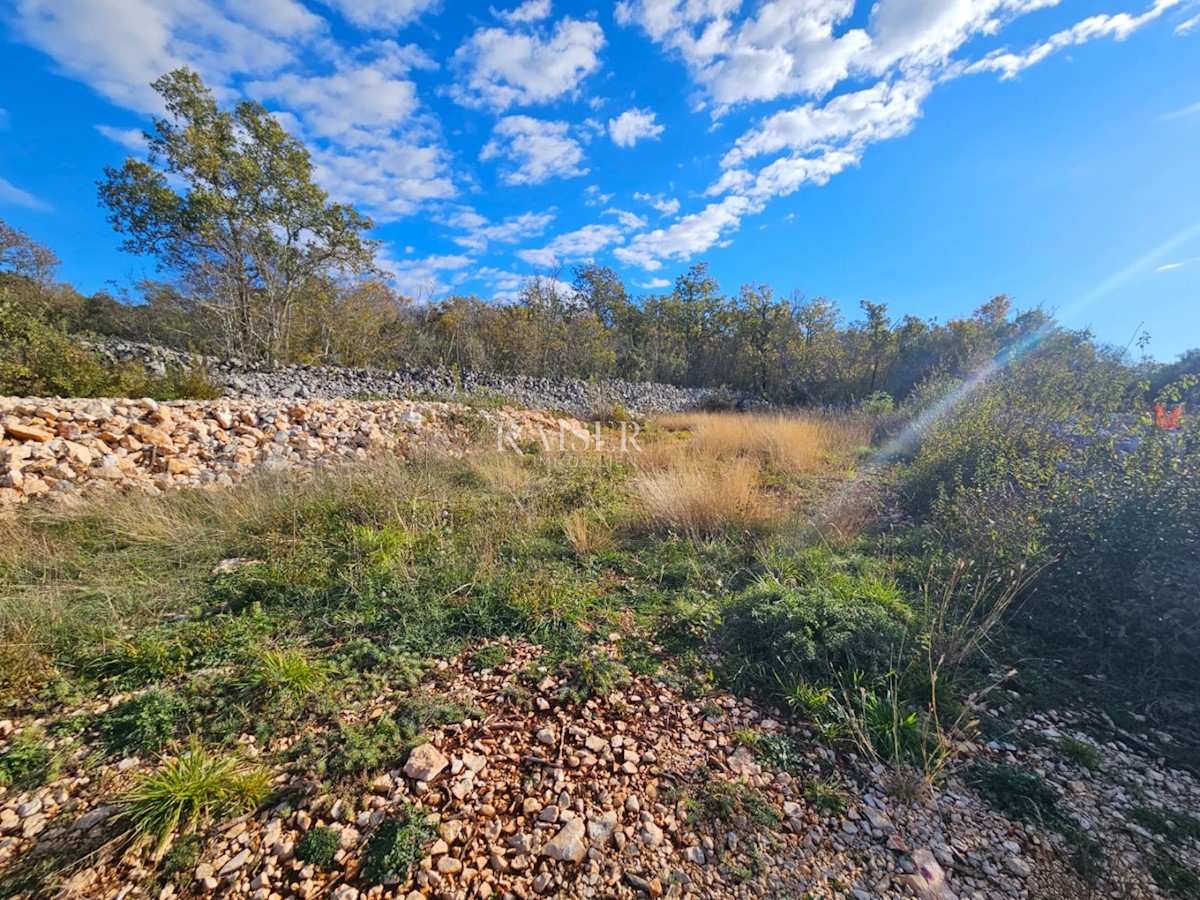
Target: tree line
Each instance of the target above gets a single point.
(255, 262)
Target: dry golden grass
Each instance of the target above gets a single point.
(700, 498)
(790, 444)
(587, 535)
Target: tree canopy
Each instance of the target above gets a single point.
(227, 204)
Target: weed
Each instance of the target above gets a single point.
(1018, 794)
(396, 846)
(781, 751)
(318, 846)
(592, 673)
(732, 802)
(28, 763)
(289, 675)
(143, 724)
(491, 656)
(180, 860)
(1176, 826)
(189, 790)
(1174, 876)
(1080, 752)
(587, 534)
(826, 794)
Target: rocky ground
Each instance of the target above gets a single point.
(59, 448)
(249, 381)
(643, 793)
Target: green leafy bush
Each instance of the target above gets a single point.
(318, 847)
(143, 724)
(396, 846)
(833, 620)
(28, 763)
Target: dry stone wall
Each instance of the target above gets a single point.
(579, 398)
(58, 449)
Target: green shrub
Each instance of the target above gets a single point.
(187, 792)
(490, 657)
(834, 621)
(396, 846)
(142, 724)
(318, 846)
(1018, 794)
(28, 763)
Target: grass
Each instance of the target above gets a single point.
(733, 803)
(1018, 794)
(28, 763)
(1080, 752)
(1175, 826)
(186, 792)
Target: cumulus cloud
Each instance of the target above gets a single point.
(633, 125)
(11, 194)
(689, 236)
(668, 206)
(503, 68)
(429, 276)
(535, 150)
(479, 232)
(627, 220)
(381, 14)
(654, 284)
(581, 244)
(529, 11)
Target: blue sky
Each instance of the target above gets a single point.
(924, 153)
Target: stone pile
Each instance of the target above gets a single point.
(55, 448)
(242, 380)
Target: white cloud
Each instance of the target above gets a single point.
(382, 14)
(633, 125)
(537, 150)
(120, 46)
(130, 138)
(391, 180)
(351, 104)
(11, 194)
(691, 235)
(1187, 26)
(876, 113)
(593, 196)
(654, 284)
(529, 11)
(1169, 266)
(427, 277)
(668, 206)
(581, 244)
(479, 232)
(510, 68)
(1180, 113)
(629, 221)
(1118, 26)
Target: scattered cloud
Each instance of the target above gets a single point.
(593, 196)
(536, 150)
(689, 236)
(1169, 266)
(129, 138)
(429, 276)
(668, 206)
(1180, 113)
(1118, 26)
(1187, 26)
(629, 221)
(13, 195)
(381, 15)
(633, 125)
(530, 11)
(505, 68)
(581, 244)
(654, 284)
(479, 232)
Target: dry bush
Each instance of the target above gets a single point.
(503, 473)
(586, 534)
(699, 499)
(786, 443)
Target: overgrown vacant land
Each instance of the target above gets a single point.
(931, 651)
